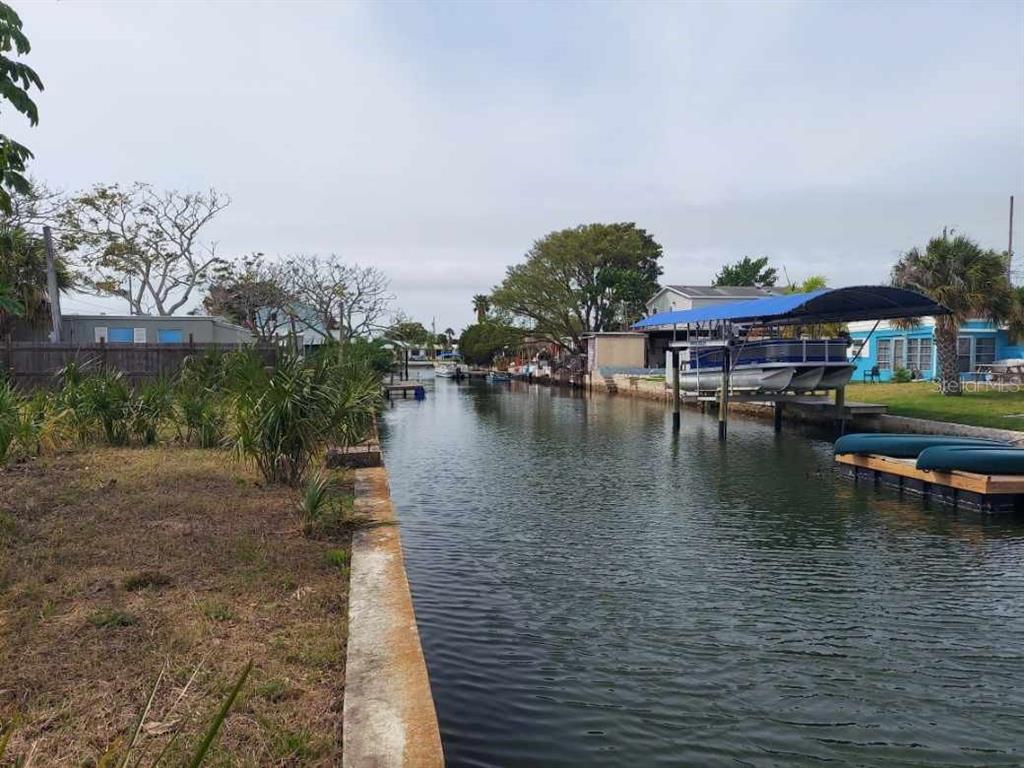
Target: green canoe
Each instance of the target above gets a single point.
(899, 446)
(985, 460)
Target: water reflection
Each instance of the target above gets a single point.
(593, 588)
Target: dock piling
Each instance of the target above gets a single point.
(778, 416)
(723, 396)
(841, 409)
(676, 422)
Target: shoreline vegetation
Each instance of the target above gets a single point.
(174, 562)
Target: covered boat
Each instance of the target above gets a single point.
(772, 365)
(899, 446)
(987, 460)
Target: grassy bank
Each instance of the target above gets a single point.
(1003, 410)
(118, 563)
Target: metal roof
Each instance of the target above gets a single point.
(718, 291)
(866, 302)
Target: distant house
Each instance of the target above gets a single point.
(151, 329)
(979, 343)
(673, 297)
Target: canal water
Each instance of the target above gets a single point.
(592, 590)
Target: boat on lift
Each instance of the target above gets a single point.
(763, 365)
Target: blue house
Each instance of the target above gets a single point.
(980, 342)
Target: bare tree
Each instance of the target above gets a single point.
(143, 245)
(329, 295)
(32, 209)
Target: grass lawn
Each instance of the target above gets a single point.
(118, 563)
(1004, 410)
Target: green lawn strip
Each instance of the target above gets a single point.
(922, 400)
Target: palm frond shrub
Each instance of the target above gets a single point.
(198, 397)
(316, 496)
(282, 417)
(153, 404)
(70, 399)
(106, 398)
(42, 425)
(10, 416)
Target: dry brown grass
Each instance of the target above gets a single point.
(115, 563)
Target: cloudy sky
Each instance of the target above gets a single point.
(438, 140)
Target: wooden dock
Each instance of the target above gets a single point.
(404, 388)
(971, 490)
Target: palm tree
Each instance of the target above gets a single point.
(969, 281)
(449, 337)
(23, 273)
(481, 305)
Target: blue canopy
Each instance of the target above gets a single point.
(828, 305)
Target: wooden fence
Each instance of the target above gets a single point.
(33, 365)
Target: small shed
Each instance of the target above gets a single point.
(616, 349)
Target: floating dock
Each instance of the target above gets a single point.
(968, 490)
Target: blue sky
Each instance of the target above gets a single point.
(438, 140)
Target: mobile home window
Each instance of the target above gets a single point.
(884, 357)
(170, 336)
(121, 335)
(984, 350)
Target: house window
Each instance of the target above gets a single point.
(984, 350)
(899, 354)
(919, 354)
(170, 336)
(121, 335)
(884, 357)
(963, 354)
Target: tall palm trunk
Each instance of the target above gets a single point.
(946, 347)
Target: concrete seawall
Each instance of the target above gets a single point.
(389, 715)
(650, 389)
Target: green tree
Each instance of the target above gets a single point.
(748, 271)
(481, 343)
(410, 332)
(253, 293)
(812, 283)
(966, 279)
(16, 80)
(481, 305)
(594, 277)
(23, 279)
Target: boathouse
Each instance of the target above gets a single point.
(766, 346)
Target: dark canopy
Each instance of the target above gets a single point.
(828, 305)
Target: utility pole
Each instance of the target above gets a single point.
(1009, 248)
(51, 285)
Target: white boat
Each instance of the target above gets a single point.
(836, 376)
(498, 376)
(807, 379)
(450, 366)
(450, 370)
(763, 365)
(741, 378)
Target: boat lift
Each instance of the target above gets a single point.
(732, 322)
